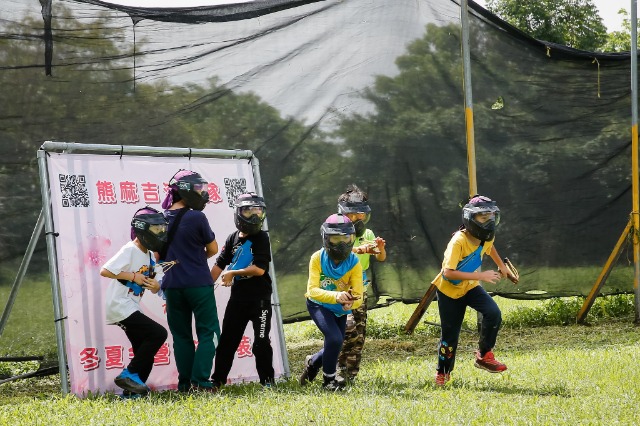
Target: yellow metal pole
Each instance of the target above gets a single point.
(604, 274)
(634, 154)
(468, 99)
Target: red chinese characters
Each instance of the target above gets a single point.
(214, 193)
(162, 356)
(244, 348)
(89, 359)
(150, 193)
(129, 192)
(106, 192)
(113, 356)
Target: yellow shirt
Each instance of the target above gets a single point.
(324, 289)
(459, 247)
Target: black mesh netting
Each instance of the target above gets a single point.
(331, 92)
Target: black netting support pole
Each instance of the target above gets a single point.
(48, 36)
(135, 22)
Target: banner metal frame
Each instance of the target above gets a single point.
(49, 227)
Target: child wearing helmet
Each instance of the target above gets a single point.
(132, 271)
(334, 288)
(458, 286)
(243, 265)
(188, 287)
(354, 204)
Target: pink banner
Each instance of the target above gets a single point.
(93, 198)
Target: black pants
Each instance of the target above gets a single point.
(451, 316)
(146, 337)
(236, 317)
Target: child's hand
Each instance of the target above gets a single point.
(380, 243)
(489, 276)
(151, 284)
(226, 278)
(347, 306)
(344, 297)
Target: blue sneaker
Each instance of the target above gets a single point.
(131, 382)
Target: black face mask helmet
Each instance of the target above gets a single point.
(484, 231)
(349, 207)
(150, 227)
(250, 213)
(338, 236)
(191, 188)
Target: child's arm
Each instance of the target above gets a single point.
(498, 261)
(315, 290)
(356, 289)
(249, 271)
(211, 249)
(487, 276)
(134, 277)
(381, 256)
(150, 284)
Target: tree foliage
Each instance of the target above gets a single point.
(574, 23)
(92, 98)
(620, 41)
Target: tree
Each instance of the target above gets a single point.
(620, 41)
(574, 23)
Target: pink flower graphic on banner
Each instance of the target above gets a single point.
(98, 249)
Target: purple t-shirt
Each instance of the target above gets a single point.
(188, 248)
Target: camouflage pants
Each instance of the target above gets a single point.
(351, 354)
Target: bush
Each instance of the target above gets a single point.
(565, 310)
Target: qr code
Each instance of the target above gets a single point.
(234, 187)
(74, 191)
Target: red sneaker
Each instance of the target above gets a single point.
(489, 363)
(442, 379)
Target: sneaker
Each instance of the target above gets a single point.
(489, 363)
(268, 384)
(309, 373)
(347, 379)
(130, 395)
(333, 386)
(442, 379)
(131, 382)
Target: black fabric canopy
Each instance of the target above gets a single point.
(333, 92)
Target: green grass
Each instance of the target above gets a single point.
(558, 374)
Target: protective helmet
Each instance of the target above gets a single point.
(360, 208)
(481, 216)
(250, 213)
(150, 227)
(338, 236)
(190, 187)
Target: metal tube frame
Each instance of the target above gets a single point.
(634, 156)
(255, 164)
(22, 270)
(53, 269)
(71, 147)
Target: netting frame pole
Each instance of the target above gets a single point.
(22, 271)
(634, 156)
(430, 295)
(604, 274)
(53, 270)
(255, 166)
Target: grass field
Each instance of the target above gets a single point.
(560, 374)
